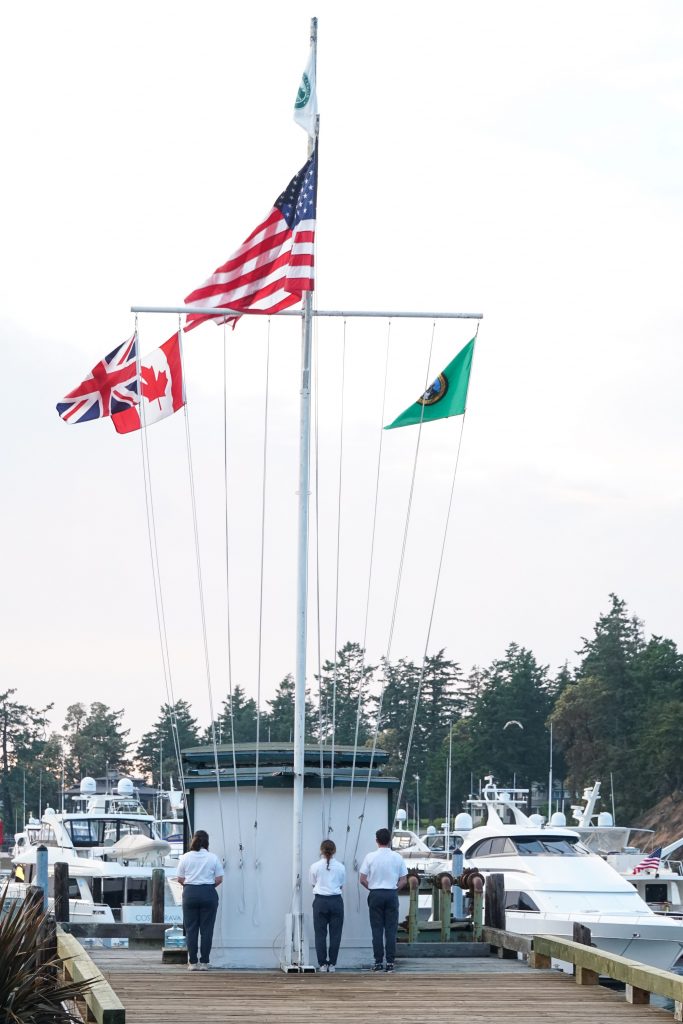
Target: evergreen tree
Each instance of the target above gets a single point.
(514, 689)
(243, 716)
(340, 687)
(22, 736)
(94, 741)
(598, 718)
(278, 725)
(175, 727)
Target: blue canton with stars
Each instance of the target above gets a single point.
(297, 202)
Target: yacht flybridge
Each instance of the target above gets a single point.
(552, 879)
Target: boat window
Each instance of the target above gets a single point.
(656, 892)
(104, 831)
(134, 828)
(502, 844)
(46, 835)
(84, 831)
(556, 846)
(401, 842)
(480, 849)
(519, 901)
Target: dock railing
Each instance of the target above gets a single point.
(591, 963)
(103, 1004)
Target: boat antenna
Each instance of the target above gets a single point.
(611, 784)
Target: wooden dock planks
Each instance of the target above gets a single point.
(474, 992)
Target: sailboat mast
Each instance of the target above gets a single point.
(302, 606)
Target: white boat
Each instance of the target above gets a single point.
(553, 880)
(111, 847)
(660, 886)
(169, 822)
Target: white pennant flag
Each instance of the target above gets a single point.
(306, 102)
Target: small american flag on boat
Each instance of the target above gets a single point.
(650, 863)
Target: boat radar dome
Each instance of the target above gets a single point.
(431, 830)
(124, 787)
(401, 815)
(536, 820)
(605, 819)
(88, 785)
(463, 821)
(558, 820)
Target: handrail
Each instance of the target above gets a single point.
(100, 998)
(641, 981)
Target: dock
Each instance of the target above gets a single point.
(475, 990)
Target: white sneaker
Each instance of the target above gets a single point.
(323, 969)
(203, 967)
(193, 967)
(331, 968)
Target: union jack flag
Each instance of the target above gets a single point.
(110, 387)
(650, 863)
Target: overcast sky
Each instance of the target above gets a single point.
(520, 160)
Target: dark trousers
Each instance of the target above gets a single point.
(383, 907)
(328, 913)
(200, 903)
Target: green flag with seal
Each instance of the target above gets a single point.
(447, 396)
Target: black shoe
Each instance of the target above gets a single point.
(378, 967)
(389, 968)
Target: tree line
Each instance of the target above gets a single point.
(617, 714)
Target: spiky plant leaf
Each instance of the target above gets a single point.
(31, 987)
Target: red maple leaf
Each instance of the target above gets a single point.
(153, 384)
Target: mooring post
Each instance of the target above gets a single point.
(414, 886)
(61, 882)
(158, 881)
(495, 901)
(41, 873)
(445, 910)
(456, 871)
(477, 914)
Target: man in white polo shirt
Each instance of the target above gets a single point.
(383, 873)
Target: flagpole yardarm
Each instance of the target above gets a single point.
(213, 311)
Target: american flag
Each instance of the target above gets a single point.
(110, 387)
(650, 863)
(274, 265)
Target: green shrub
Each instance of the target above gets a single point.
(31, 987)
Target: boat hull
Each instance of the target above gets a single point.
(647, 941)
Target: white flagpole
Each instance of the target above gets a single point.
(298, 952)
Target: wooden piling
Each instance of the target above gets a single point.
(61, 883)
(495, 901)
(158, 882)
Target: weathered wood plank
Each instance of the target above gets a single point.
(102, 1002)
(476, 992)
(651, 979)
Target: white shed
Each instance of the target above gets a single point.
(249, 821)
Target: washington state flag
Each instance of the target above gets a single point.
(447, 396)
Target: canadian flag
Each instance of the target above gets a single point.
(160, 386)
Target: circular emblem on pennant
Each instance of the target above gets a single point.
(435, 392)
(304, 93)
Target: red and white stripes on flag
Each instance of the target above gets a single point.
(275, 264)
(650, 863)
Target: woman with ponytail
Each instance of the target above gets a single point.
(327, 877)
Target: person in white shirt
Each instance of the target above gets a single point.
(200, 873)
(383, 873)
(327, 877)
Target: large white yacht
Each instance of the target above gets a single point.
(111, 846)
(660, 883)
(552, 880)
